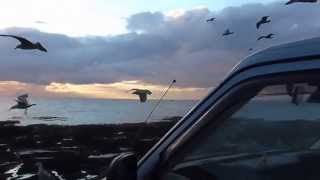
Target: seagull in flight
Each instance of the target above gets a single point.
(211, 19)
(269, 36)
(264, 20)
(227, 33)
(26, 44)
(40, 22)
(142, 93)
(296, 93)
(22, 103)
(301, 1)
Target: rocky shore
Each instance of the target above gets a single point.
(73, 152)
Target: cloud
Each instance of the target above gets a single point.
(159, 47)
(40, 22)
(145, 21)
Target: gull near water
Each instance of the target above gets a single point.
(26, 44)
(22, 103)
(142, 93)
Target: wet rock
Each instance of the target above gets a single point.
(72, 150)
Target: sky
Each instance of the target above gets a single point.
(101, 49)
(92, 17)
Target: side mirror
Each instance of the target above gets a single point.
(123, 167)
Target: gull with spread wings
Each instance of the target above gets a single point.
(227, 33)
(22, 103)
(210, 19)
(142, 93)
(301, 1)
(26, 44)
(263, 20)
(269, 36)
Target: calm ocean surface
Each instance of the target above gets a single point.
(73, 111)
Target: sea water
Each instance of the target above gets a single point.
(76, 111)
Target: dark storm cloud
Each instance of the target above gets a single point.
(158, 47)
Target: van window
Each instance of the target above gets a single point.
(280, 118)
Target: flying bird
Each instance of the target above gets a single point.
(296, 93)
(22, 103)
(142, 93)
(40, 22)
(44, 174)
(227, 33)
(301, 1)
(211, 19)
(269, 36)
(264, 20)
(26, 44)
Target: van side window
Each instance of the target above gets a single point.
(280, 117)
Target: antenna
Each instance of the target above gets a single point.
(159, 101)
(151, 112)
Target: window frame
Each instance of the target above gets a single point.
(216, 112)
(153, 161)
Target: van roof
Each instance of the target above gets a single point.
(285, 52)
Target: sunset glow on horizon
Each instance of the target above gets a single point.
(118, 90)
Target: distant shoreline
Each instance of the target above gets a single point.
(93, 98)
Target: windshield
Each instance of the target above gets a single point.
(82, 81)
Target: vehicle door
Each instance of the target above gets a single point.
(266, 127)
